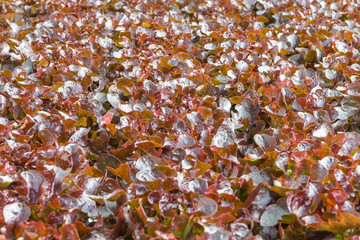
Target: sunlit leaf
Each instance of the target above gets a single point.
(273, 213)
(203, 167)
(46, 137)
(93, 172)
(106, 119)
(343, 222)
(68, 232)
(123, 171)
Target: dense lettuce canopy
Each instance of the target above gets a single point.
(179, 119)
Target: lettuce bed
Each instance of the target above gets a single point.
(179, 119)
